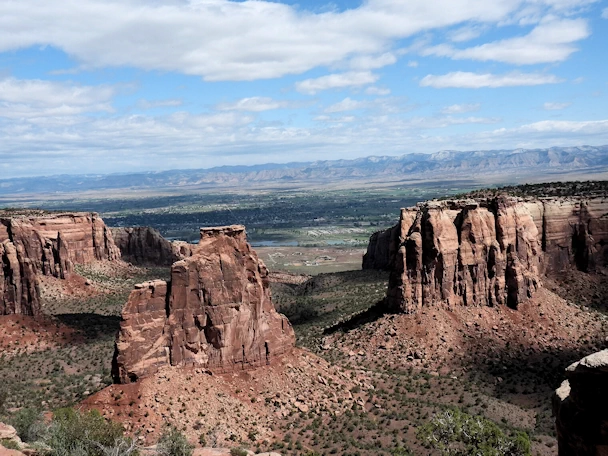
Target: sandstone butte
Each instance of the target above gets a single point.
(487, 252)
(36, 242)
(143, 245)
(580, 406)
(215, 313)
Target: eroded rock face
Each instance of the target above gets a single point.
(463, 253)
(47, 244)
(146, 246)
(215, 313)
(580, 406)
(487, 252)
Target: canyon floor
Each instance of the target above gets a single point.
(361, 381)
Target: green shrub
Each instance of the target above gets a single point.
(9, 444)
(173, 443)
(238, 452)
(456, 433)
(28, 423)
(74, 433)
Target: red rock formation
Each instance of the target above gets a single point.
(464, 253)
(19, 290)
(143, 245)
(487, 252)
(215, 313)
(49, 244)
(580, 406)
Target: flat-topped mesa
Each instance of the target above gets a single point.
(37, 242)
(54, 242)
(143, 245)
(487, 251)
(580, 407)
(215, 313)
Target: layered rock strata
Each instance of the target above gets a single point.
(580, 406)
(143, 245)
(215, 313)
(487, 252)
(47, 244)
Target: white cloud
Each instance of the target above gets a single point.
(345, 105)
(461, 108)
(551, 41)
(373, 90)
(366, 62)
(412, 64)
(466, 33)
(253, 104)
(467, 80)
(605, 13)
(549, 106)
(336, 81)
(230, 40)
(22, 98)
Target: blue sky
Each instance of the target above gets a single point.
(89, 86)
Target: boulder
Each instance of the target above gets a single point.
(580, 406)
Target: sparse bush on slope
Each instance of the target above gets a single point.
(456, 433)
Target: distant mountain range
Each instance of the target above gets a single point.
(444, 164)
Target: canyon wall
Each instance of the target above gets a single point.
(580, 406)
(464, 253)
(143, 245)
(36, 242)
(215, 313)
(488, 251)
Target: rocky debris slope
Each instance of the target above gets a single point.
(37, 243)
(215, 313)
(243, 405)
(142, 245)
(580, 406)
(488, 251)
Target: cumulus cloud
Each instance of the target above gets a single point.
(253, 104)
(366, 62)
(336, 81)
(551, 41)
(605, 13)
(38, 98)
(555, 106)
(461, 108)
(467, 80)
(229, 40)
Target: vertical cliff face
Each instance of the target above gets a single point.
(47, 244)
(464, 253)
(19, 290)
(215, 313)
(580, 406)
(143, 245)
(487, 252)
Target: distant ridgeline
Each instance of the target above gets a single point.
(487, 251)
(538, 162)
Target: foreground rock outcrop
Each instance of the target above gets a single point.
(486, 252)
(215, 313)
(38, 243)
(142, 245)
(580, 406)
